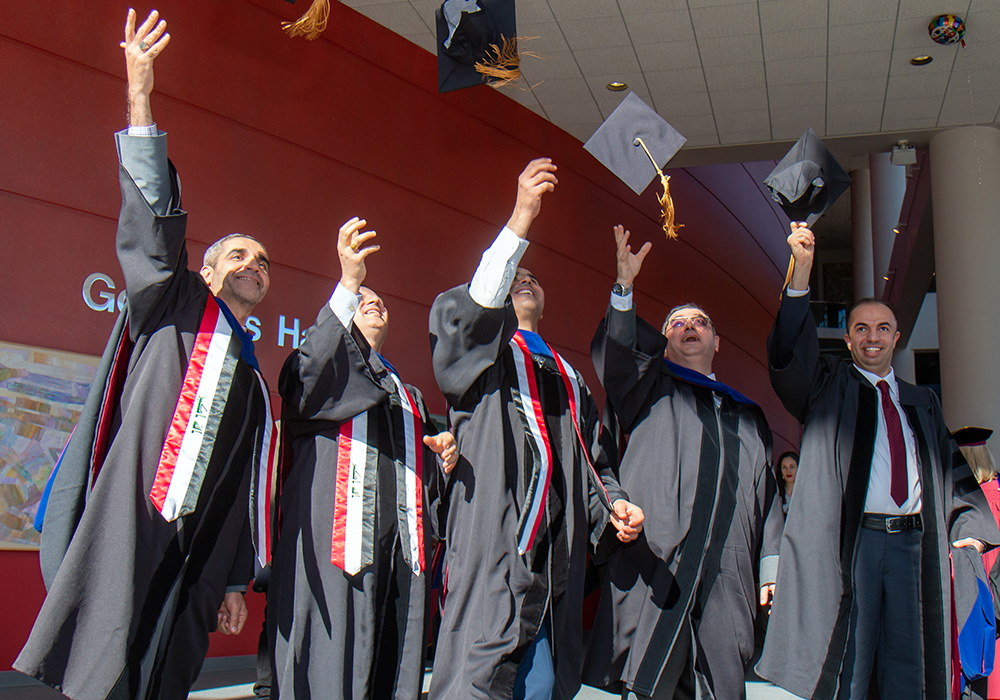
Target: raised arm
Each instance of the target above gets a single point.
(793, 345)
(332, 374)
(471, 325)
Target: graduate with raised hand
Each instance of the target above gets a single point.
(678, 605)
(146, 544)
(525, 496)
(349, 577)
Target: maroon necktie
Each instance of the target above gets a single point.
(899, 488)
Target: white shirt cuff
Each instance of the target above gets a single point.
(343, 303)
(796, 292)
(491, 283)
(622, 303)
(150, 130)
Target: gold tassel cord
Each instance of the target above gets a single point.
(666, 201)
(312, 23)
(503, 67)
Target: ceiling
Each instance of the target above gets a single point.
(742, 79)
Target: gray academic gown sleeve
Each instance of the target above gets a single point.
(496, 599)
(134, 597)
(363, 634)
(808, 627)
(702, 477)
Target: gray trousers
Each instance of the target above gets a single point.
(885, 618)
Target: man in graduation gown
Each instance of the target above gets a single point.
(349, 578)
(880, 496)
(525, 492)
(677, 606)
(147, 532)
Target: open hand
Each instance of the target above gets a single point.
(629, 263)
(352, 255)
(446, 448)
(627, 519)
(536, 179)
(142, 46)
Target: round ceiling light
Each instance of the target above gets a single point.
(617, 86)
(921, 60)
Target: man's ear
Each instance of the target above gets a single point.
(847, 340)
(206, 274)
(717, 342)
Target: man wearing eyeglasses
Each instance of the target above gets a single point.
(678, 604)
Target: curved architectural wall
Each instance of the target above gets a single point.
(286, 139)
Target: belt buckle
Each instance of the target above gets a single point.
(895, 524)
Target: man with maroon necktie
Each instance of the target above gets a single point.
(880, 497)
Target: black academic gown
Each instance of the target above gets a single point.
(495, 598)
(701, 475)
(807, 631)
(336, 634)
(131, 597)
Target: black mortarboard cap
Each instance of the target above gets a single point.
(970, 436)
(808, 180)
(614, 143)
(466, 31)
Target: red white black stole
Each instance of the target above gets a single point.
(194, 427)
(527, 399)
(353, 541)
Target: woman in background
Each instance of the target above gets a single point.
(788, 464)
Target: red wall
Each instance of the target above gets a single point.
(286, 139)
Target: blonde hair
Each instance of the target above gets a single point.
(980, 459)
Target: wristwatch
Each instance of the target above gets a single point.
(620, 290)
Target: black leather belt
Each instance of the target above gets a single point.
(892, 523)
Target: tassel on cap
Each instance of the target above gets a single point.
(502, 66)
(312, 23)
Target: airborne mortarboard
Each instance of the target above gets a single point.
(635, 143)
(970, 436)
(476, 43)
(808, 180)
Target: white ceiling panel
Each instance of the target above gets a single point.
(529, 12)
(547, 37)
(582, 9)
(783, 15)
(562, 90)
(980, 56)
(696, 4)
(617, 59)
(635, 81)
(746, 137)
(859, 65)
(657, 27)
(671, 104)
(908, 123)
(730, 50)
(797, 120)
(694, 125)
(928, 9)
(581, 131)
(915, 109)
(559, 64)
(742, 100)
(795, 96)
(861, 11)
(930, 85)
(981, 109)
(944, 59)
(854, 112)
(793, 71)
(740, 122)
(680, 80)
(424, 40)
(583, 112)
(400, 17)
(795, 43)
(849, 91)
(631, 7)
(595, 33)
(861, 38)
(668, 55)
(731, 77)
(725, 20)
(852, 128)
(702, 141)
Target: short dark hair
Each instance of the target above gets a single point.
(689, 305)
(865, 302)
(215, 250)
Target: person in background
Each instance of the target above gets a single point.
(788, 464)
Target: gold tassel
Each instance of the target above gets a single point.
(312, 23)
(504, 67)
(666, 201)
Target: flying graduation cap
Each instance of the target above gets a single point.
(635, 143)
(476, 43)
(806, 182)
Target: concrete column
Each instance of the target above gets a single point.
(965, 191)
(861, 233)
(888, 186)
